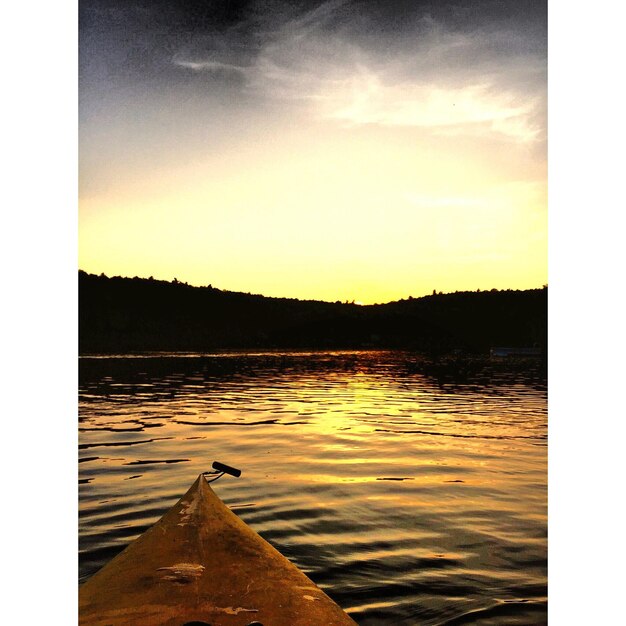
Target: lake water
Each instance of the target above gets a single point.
(409, 498)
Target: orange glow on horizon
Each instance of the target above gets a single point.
(359, 215)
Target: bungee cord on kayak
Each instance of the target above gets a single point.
(220, 470)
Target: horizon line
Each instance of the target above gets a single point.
(354, 302)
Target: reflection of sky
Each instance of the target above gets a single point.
(332, 150)
(379, 474)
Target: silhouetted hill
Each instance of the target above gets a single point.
(135, 314)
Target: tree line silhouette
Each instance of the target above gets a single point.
(137, 314)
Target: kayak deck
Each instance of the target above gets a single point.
(200, 562)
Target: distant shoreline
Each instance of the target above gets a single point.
(210, 287)
(121, 315)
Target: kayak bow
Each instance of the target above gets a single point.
(200, 563)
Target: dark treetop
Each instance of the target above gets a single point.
(134, 314)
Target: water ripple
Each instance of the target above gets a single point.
(408, 498)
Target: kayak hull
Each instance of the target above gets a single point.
(201, 563)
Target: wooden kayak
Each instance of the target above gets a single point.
(200, 564)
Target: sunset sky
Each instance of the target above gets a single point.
(335, 150)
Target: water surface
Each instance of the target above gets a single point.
(410, 498)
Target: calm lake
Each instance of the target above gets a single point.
(410, 498)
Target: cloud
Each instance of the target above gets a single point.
(214, 66)
(444, 109)
(331, 61)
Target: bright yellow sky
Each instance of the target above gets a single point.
(348, 179)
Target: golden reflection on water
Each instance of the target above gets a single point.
(398, 493)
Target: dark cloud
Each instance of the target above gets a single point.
(139, 39)
(462, 66)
